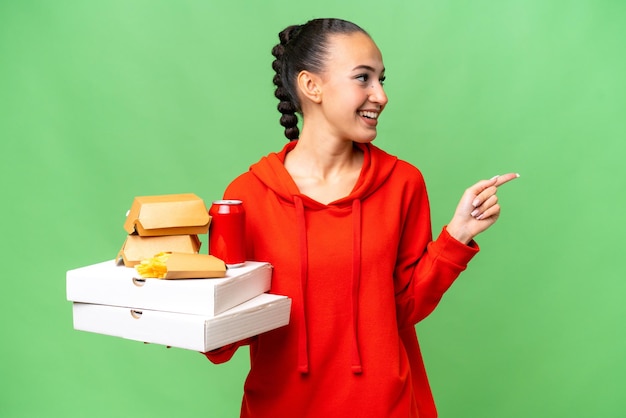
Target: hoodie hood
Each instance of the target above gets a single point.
(377, 167)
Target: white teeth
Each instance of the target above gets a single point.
(368, 114)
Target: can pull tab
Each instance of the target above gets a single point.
(135, 313)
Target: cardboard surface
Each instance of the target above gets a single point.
(137, 248)
(193, 332)
(174, 214)
(108, 283)
(194, 266)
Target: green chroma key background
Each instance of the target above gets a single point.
(104, 101)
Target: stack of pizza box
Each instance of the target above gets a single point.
(201, 314)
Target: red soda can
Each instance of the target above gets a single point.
(227, 232)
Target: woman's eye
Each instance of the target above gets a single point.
(364, 78)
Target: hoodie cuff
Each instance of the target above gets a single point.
(453, 251)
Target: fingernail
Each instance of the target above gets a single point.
(482, 215)
(516, 174)
(495, 177)
(474, 212)
(476, 202)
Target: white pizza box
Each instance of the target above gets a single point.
(110, 283)
(193, 332)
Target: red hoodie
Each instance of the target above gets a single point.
(361, 272)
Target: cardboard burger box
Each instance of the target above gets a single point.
(108, 283)
(173, 214)
(182, 266)
(137, 248)
(193, 332)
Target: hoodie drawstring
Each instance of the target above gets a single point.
(357, 367)
(303, 337)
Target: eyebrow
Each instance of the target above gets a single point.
(367, 67)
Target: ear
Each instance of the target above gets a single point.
(309, 86)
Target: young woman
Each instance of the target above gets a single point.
(347, 228)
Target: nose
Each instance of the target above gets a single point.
(378, 95)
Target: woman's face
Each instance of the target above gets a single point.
(352, 95)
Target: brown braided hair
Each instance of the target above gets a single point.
(301, 47)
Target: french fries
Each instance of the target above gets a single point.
(154, 267)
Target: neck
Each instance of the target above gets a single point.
(322, 157)
(324, 170)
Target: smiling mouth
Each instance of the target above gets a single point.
(369, 114)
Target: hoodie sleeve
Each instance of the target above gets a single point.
(425, 269)
(223, 354)
(236, 190)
